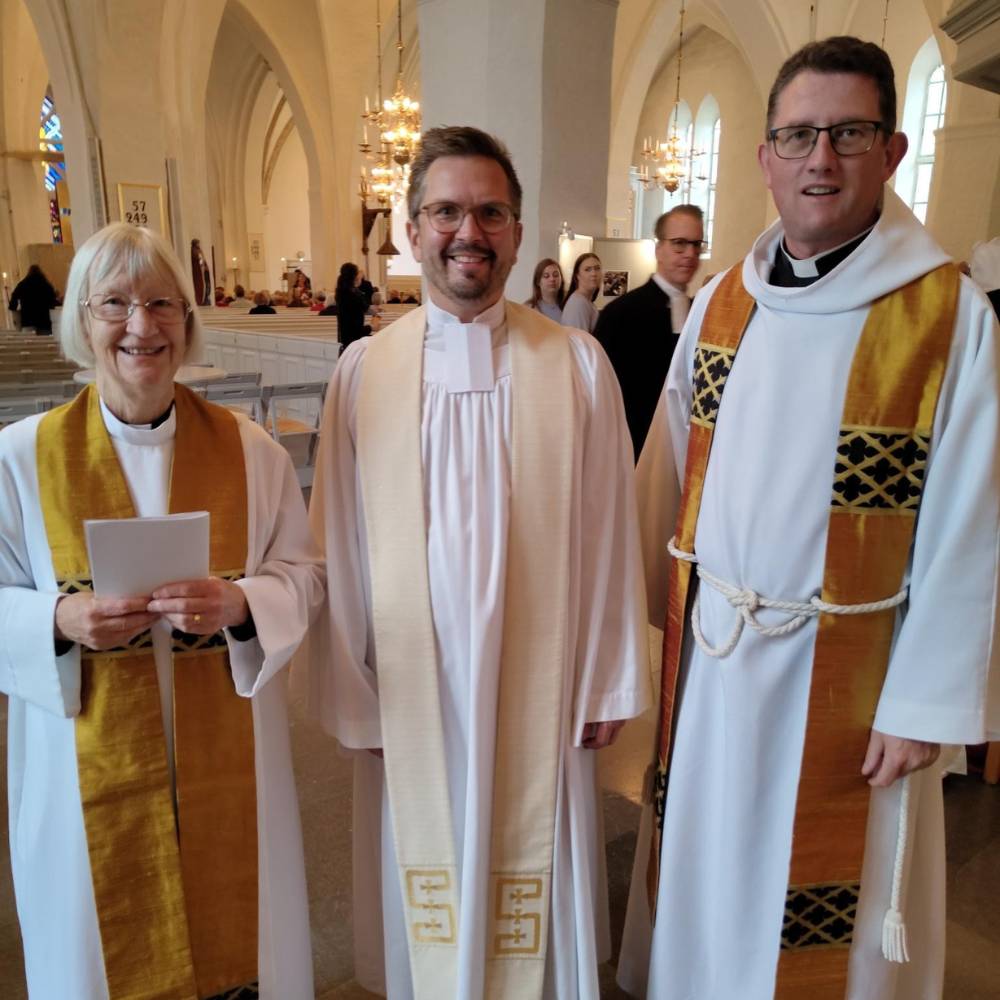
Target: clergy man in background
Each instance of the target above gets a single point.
(821, 642)
(486, 630)
(639, 331)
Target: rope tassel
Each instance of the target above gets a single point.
(894, 944)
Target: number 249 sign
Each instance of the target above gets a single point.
(142, 205)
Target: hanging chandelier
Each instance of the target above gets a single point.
(396, 123)
(666, 164)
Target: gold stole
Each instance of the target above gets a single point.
(878, 478)
(532, 664)
(176, 896)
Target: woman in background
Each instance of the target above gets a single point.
(579, 310)
(547, 289)
(350, 306)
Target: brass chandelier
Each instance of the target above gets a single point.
(665, 163)
(396, 122)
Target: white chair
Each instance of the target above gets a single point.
(247, 397)
(287, 430)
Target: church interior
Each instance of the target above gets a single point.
(251, 127)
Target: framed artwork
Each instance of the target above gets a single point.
(255, 252)
(142, 205)
(615, 284)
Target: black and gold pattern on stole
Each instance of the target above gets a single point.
(176, 893)
(878, 478)
(722, 331)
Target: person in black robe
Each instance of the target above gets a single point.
(34, 296)
(639, 330)
(351, 307)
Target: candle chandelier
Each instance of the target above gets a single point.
(666, 164)
(396, 124)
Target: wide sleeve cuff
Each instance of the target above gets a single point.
(29, 667)
(932, 723)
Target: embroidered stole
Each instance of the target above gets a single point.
(533, 655)
(878, 476)
(176, 892)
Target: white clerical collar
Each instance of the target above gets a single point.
(140, 433)
(467, 347)
(667, 288)
(807, 267)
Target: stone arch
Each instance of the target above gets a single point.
(750, 25)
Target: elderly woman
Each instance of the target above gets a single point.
(155, 838)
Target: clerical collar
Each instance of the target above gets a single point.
(667, 288)
(464, 351)
(793, 272)
(493, 316)
(160, 430)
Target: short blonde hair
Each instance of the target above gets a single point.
(136, 252)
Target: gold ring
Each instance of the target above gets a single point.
(197, 619)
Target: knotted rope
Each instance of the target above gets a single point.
(747, 602)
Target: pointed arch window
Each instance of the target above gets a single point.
(935, 96)
(50, 141)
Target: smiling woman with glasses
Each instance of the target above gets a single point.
(156, 792)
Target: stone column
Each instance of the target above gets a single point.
(537, 75)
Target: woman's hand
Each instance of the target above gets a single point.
(101, 622)
(200, 607)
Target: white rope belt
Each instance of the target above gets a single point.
(747, 602)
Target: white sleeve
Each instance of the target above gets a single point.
(660, 470)
(612, 643)
(942, 683)
(335, 673)
(29, 667)
(284, 584)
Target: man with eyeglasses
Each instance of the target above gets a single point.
(639, 331)
(486, 628)
(821, 642)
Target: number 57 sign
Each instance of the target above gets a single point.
(142, 205)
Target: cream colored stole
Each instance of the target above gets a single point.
(532, 663)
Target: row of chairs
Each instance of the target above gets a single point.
(243, 391)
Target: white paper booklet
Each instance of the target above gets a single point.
(132, 556)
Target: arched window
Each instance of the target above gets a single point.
(933, 119)
(713, 180)
(923, 114)
(50, 140)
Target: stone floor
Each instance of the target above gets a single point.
(324, 781)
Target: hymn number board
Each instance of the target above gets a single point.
(142, 205)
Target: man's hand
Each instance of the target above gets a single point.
(201, 607)
(598, 735)
(101, 622)
(890, 757)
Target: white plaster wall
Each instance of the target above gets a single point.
(712, 65)
(286, 221)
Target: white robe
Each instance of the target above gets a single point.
(763, 523)
(465, 439)
(283, 586)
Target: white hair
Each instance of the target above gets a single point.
(136, 252)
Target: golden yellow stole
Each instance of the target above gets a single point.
(532, 668)
(176, 894)
(878, 478)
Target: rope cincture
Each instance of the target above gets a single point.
(747, 602)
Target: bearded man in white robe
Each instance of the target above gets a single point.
(486, 627)
(794, 845)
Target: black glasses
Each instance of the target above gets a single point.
(114, 308)
(447, 217)
(795, 142)
(678, 244)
